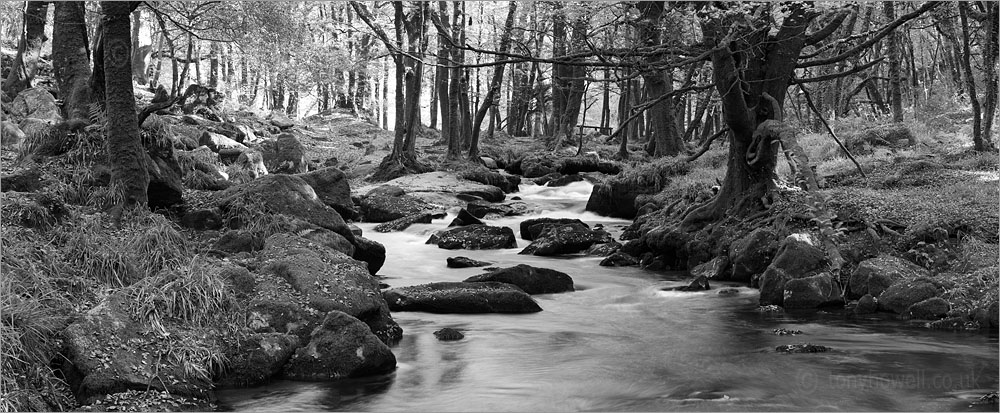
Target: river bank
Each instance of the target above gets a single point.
(264, 254)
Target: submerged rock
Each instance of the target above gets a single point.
(475, 237)
(802, 348)
(448, 334)
(461, 298)
(464, 262)
(619, 259)
(532, 280)
(786, 332)
(728, 291)
(405, 222)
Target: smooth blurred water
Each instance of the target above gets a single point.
(620, 343)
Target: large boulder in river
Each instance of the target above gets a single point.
(370, 252)
(619, 259)
(617, 199)
(332, 188)
(465, 262)
(329, 280)
(474, 237)
(446, 183)
(751, 254)
(812, 292)
(389, 202)
(253, 360)
(904, 293)
(534, 165)
(506, 182)
(565, 239)
(798, 256)
(532, 227)
(532, 280)
(481, 209)
(340, 347)
(929, 309)
(284, 194)
(579, 164)
(464, 218)
(875, 275)
(461, 298)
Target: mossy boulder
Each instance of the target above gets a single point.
(474, 237)
(461, 298)
(340, 347)
(533, 280)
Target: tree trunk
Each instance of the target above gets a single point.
(895, 83)
(71, 58)
(560, 81)
(29, 49)
(492, 95)
(126, 151)
(664, 139)
(139, 53)
(441, 84)
(980, 142)
(385, 94)
(455, 137)
(770, 64)
(213, 65)
(991, 49)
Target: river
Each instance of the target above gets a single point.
(619, 343)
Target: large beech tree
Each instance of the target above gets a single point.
(754, 62)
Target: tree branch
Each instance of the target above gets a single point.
(878, 36)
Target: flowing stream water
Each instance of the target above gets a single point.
(621, 343)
